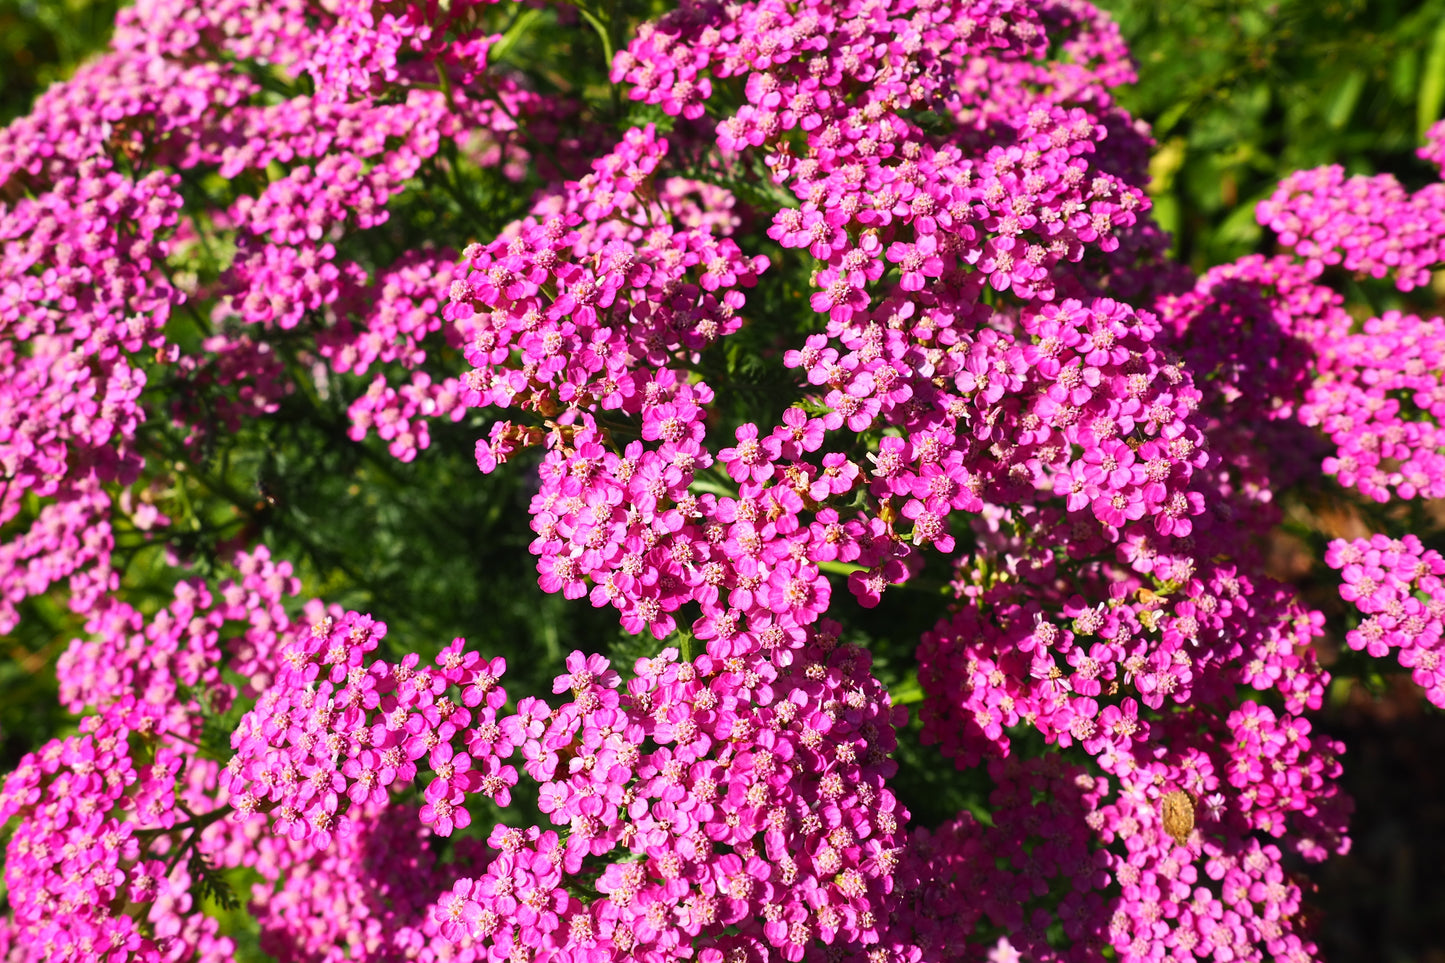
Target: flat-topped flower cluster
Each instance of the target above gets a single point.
(989, 389)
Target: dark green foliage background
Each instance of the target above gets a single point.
(42, 41)
(1239, 94)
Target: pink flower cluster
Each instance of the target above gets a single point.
(1434, 149)
(1396, 584)
(702, 794)
(78, 300)
(874, 188)
(983, 374)
(1249, 331)
(1379, 396)
(92, 871)
(1282, 346)
(565, 304)
(92, 237)
(108, 842)
(1366, 225)
(1092, 679)
(1187, 897)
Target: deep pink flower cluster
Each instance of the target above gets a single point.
(735, 793)
(1250, 332)
(751, 797)
(78, 300)
(336, 730)
(1396, 584)
(874, 188)
(174, 656)
(91, 871)
(1189, 896)
(1282, 346)
(1091, 679)
(108, 842)
(1367, 225)
(987, 376)
(1379, 396)
(887, 375)
(91, 235)
(566, 303)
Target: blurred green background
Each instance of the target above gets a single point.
(42, 41)
(1240, 93)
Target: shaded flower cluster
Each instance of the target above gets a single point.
(1380, 398)
(1208, 893)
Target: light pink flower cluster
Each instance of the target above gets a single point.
(1396, 584)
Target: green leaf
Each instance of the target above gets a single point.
(515, 33)
(907, 692)
(210, 884)
(1432, 83)
(1346, 97)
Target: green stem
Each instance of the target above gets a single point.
(514, 32)
(602, 33)
(195, 823)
